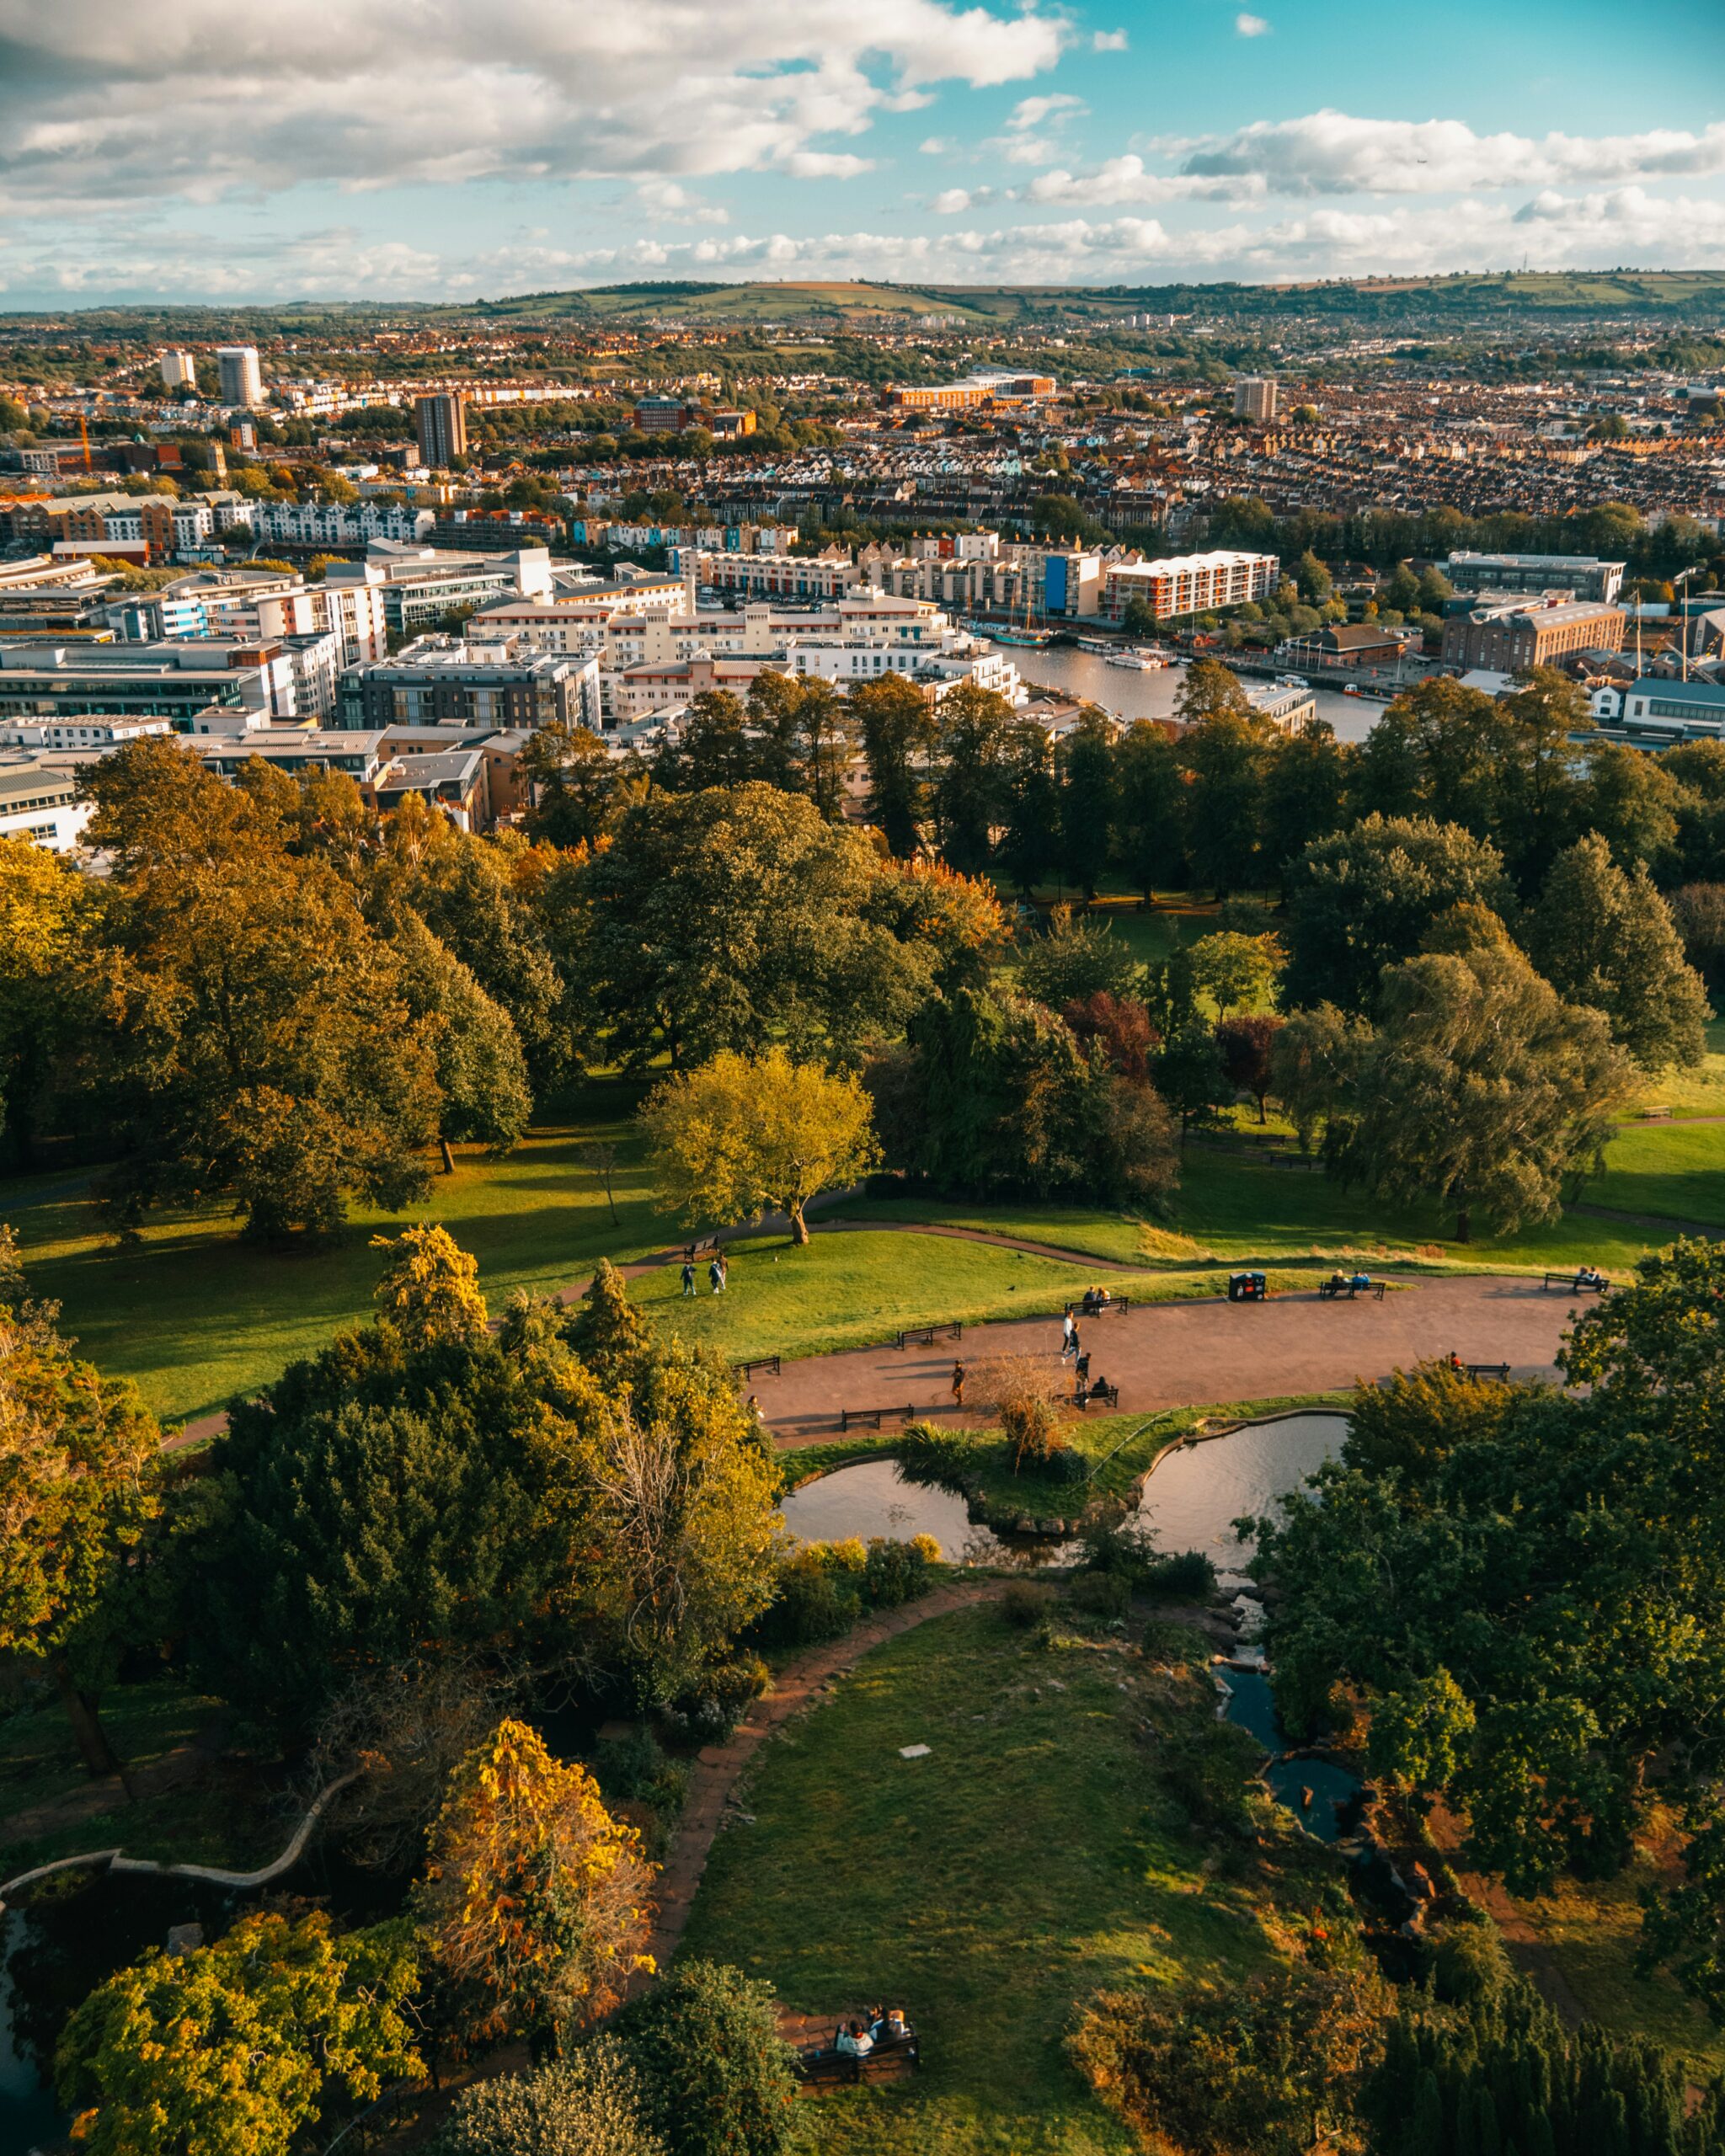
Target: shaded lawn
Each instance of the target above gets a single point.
(38, 1760)
(1028, 1861)
(1675, 1170)
(195, 1314)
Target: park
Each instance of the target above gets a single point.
(1127, 1483)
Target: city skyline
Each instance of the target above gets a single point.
(409, 149)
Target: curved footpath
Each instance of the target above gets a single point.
(1184, 1354)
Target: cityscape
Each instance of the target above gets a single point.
(862, 1140)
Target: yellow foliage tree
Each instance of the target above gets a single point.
(534, 1895)
(430, 1291)
(744, 1133)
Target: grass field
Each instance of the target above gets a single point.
(1675, 1170)
(38, 1761)
(1029, 1860)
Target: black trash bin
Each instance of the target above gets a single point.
(1247, 1288)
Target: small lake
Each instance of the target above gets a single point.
(873, 1498)
(1194, 1497)
(1253, 1707)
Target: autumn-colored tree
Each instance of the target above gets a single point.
(746, 1133)
(234, 2049)
(1121, 1023)
(535, 1901)
(430, 1291)
(46, 909)
(1248, 1050)
(76, 1493)
(607, 1331)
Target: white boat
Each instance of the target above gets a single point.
(1139, 662)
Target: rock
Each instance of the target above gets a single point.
(914, 1751)
(185, 1938)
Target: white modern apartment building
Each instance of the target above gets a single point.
(38, 801)
(1189, 584)
(335, 524)
(241, 381)
(179, 370)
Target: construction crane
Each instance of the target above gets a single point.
(83, 433)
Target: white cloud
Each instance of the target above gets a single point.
(1036, 112)
(1109, 41)
(953, 203)
(102, 103)
(934, 146)
(824, 164)
(666, 202)
(1247, 25)
(1128, 179)
(1335, 154)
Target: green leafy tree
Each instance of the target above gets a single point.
(1304, 794)
(1075, 959)
(1084, 766)
(1481, 1090)
(1150, 797)
(1210, 690)
(1439, 750)
(744, 1134)
(577, 783)
(715, 2073)
(482, 1073)
(429, 1291)
(281, 2026)
(1314, 1062)
(1363, 899)
(1550, 721)
(1226, 754)
(1030, 848)
(896, 726)
(1607, 940)
(973, 728)
(1192, 1076)
(1233, 969)
(607, 1331)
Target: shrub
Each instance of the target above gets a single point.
(589, 2104)
(634, 1769)
(1022, 1605)
(1101, 1594)
(1183, 1577)
(895, 1572)
(1208, 1772)
(812, 1603)
(1469, 1965)
(716, 2076)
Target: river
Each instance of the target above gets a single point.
(1128, 695)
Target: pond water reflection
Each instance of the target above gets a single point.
(872, 1497)
(1194, 1497)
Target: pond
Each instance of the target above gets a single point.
(873, 1498)
(1195, 1495)
(1252, 1706)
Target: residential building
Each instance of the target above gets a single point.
(1289, 705)
(1583, 576)
(498, 531)
(1255, 397)
(337, 524)
(441, 423)
(177, 681)
(91, 731)
(780, 576)
(446, 681)
(1511, 635)
(453, 781)
(242, 381)
(421, 585)
(39, 802)
(1189, 584)
(179, 370)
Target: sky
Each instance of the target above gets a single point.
(212, 149)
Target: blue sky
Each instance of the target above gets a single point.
(193, 149)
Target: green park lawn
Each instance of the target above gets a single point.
(1031, 1859)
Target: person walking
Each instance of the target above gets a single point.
(1072, 1347)
(957, 1384)
(1069, 1333)
(715, 1275)
(688, 1277)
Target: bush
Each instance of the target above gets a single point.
(589, 2104)
(1022, 1605)
(1101, 1594)
(715, 2074)
(1469, 1965)
(812, 1603)
(1184, 1576)
(708, 1715)
(634, 1769)
(894, 1572)
(1208, 1772)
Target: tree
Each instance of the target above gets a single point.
(973, 728)
(897, 726)
(1140, 618)
(1248, 1055)
(744, 1133)
(280, 2025)
(1363, 899)
(1607, 940)
(590, 2104)
(607, 1331)
(1084, 767)
(1481, 1090)
(1122, 1025)
(716, 919)
(576, 783)
(77, 1492)
(1075, 960)
(481, 1075)
(1150, 792)
(715, 2073)
(535, 1900)
(1314, 1062)
(1314, 578)
(1233, 969)
(1698, 914)
(430, 1290)
(49, 975)
(1304, 794)
(1210, 690)
(1225, 753)
(1191, 1076)
(1550, 721)
(1029, 851)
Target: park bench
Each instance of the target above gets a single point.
(1500, 1371)
(1294, 1160)
(1654, 1115)
(702, 1248)
(1109, 1394)
(746, 1370)
(925, 1336)
(819, 2067)
(849, 1414)
(1099, 1309)
(1575, 1282)
(1329, 1291)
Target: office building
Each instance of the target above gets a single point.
(442, 424)
(236, 365)
(1509, 636)
(1585, 576)
(1255, 397)
(421, 586)
(38, 801)
(1189, 584)
(507, 681)
(987, 385)
(179, 370)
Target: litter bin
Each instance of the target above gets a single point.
(1247, 1288)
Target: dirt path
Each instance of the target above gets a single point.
(718, 1766)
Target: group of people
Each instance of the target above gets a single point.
(717, 1272)
(884, 2025)
(1095, 1300)
(1356, 1281)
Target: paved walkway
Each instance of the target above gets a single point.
(718, 1766)
(1184, 1354)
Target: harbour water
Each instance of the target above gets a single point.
(1129, 695)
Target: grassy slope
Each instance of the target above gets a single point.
(1675, 1170)
(987, 1888)
(38, 1760)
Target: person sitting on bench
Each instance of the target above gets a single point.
(1338, 1282)
(854, 2042)
(1360, 1280)
(1588, 1277)
(1099, 1389)
(889, 2027)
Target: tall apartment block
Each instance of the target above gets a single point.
(442, 424)
(1255, 397)
(179, 370)
(242, 384)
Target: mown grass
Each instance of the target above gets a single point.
(1029, 1860)
(1675, 1170)
(39, 1759)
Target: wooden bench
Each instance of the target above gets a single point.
(704, 1248)
(1099, 1309)
(925, 1336)
(819, 2068)
(1108, 1393)
(1654, 1115)
(849, 1414)
(746, 1370)
(1500, 1371)
(1294, 1160)
(1575, 1283)
(1329, 1291)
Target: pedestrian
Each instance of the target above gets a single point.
(1082, 1367)
(1072, 1347)
(688, 1277)
(756, 1415)
(715, 1275)
(957, 1384)
(1069, 1333)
